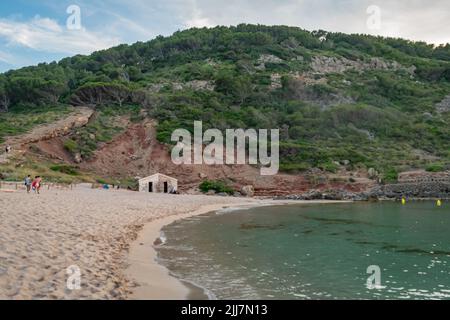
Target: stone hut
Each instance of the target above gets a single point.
(158, 183)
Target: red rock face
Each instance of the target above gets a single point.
(137, 153)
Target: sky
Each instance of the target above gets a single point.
(47, 30)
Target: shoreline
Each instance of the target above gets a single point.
(153, 280)
(93, 229)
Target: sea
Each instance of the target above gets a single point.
(382, 250)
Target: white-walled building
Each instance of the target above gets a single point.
(158, 183)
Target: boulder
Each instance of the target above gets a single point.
(372, 173)
(248, 191)
(77, 157)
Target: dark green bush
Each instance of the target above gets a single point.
(216, 185)
(70, 145)
(66, 169)
(436, 167)
(390, 176)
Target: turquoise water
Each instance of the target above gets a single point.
(315, 251)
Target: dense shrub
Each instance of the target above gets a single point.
(65, 169)
(217, 186)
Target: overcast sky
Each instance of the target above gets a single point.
(36, 31)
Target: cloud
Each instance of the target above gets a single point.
(411, 19)
(196, 18)
(5, 57)
(45, 34)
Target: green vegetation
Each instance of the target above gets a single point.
(379, 118)
(23, 118)
(435, 167)
(217, 186)
(391, 175)
(108, 122)
(71, 145)
(51, 172)
(70, 170)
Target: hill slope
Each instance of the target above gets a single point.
(344, 103)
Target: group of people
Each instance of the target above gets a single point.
(33, 184)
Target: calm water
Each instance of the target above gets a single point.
(315, 251)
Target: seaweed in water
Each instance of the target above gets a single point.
(415, 250)
(248, 226)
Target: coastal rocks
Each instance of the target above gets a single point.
(412, 190)
(431, 190)
(335, 195)
(248, 191)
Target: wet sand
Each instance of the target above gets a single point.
(154, 280)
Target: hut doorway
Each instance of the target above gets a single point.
(166, 187)
(150, 187)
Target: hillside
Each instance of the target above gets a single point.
(353, 106)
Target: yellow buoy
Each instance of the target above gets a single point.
(403, 201)
(439, 203)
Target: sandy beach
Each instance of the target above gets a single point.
(108, 235)
(42, 235)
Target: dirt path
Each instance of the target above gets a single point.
(78, 118)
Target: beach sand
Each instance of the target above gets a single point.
(108, 235)
(42, 235)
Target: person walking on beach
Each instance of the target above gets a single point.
(36, 185)
(28, 183)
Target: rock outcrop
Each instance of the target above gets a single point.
(196, 85)
(248, 191)
(444, 105)
(412, 190)
(79, 118)
(325, 65)
(437, 190)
